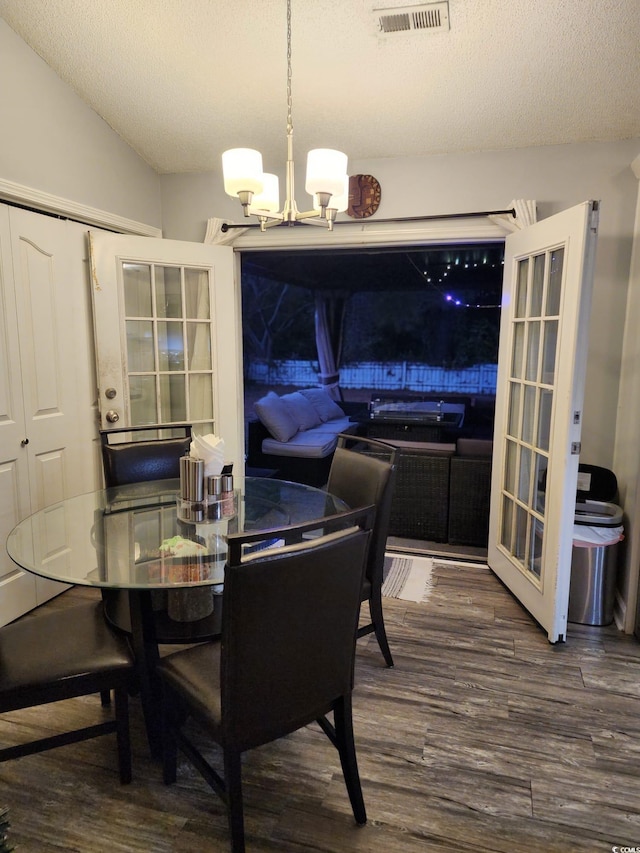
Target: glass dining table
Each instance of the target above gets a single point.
(158, 564)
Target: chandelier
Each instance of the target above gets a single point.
(326, 180)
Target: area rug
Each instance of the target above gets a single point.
(407, 577)
(410, 577)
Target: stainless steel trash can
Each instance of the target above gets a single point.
(594, 562)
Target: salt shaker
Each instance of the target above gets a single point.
(214, 497)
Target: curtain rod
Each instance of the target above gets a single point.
(226, 226)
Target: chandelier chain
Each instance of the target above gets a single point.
(289, 98)
(257, 190)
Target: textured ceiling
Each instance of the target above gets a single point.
(181, 80)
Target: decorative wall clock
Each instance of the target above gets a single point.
(364, 196)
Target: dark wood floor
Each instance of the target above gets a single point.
(482, 738)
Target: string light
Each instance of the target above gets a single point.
(459, 303)
(448, 297)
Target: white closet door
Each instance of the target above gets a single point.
(44, 386)
(44, 270)
(17, 588)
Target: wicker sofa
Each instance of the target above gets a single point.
(470, 492)
(294, 436)
(442, 491)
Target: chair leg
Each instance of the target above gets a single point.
(377, 618)
(233, 783)
(169, 739)
(122, 734)
(105, 698)
(343, 719)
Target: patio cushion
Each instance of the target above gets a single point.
(308, 444)
(302, 410)
(276, 416)
(311, 444)
(325, 406)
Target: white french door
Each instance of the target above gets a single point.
(548, 276)
(167, 331)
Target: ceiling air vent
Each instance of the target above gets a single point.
(402, 19)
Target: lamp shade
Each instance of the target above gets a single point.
(242, 171)
(326, 170)
(269, 199)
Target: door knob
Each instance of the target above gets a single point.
(112, 416)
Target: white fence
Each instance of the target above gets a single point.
(389, 376)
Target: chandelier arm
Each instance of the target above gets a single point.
(310, 214)
(270, 222)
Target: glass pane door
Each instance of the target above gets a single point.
(541, 371)
(168, 334)
(531, 394)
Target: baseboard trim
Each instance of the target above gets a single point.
(424, 548)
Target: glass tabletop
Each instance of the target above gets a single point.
(136, 537)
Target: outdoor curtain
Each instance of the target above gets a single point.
(329, 316)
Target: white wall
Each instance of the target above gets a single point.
(53, 142)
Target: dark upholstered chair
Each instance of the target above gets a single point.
(151, 458)
(63, 654)
(285, 658)
(362, 473)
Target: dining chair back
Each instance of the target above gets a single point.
(148, 453)
(363, 472)
(285, 658)
(61, 655)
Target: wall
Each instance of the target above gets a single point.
(626, 450)
(54, 142)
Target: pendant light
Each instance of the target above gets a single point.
(326, 180)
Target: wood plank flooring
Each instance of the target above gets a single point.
(483, 737)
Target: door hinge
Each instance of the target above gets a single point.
(575, 448)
